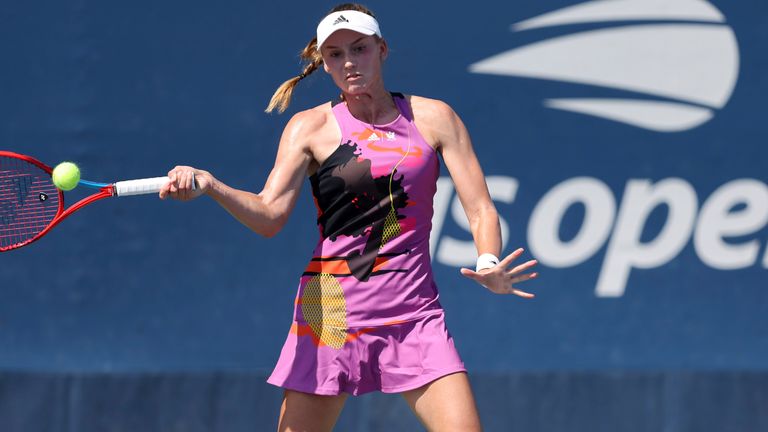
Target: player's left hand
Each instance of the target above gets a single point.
(502, 281)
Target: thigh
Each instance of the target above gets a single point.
(309, 412)
(446, 404)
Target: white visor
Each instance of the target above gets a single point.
(350, 20)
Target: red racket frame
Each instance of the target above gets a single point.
(61, 213)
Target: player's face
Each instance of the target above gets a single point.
(354, 60)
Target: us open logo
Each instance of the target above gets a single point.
(679, 57)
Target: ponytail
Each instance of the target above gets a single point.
(282, 97)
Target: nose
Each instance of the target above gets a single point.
(348, 63)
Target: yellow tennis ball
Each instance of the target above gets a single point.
(66, 175)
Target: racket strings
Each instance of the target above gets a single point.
(28, 201)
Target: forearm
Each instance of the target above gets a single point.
(250, 209)
(486, 230)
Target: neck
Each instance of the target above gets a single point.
(374, 107)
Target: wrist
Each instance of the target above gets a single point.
(213, 187)
(486, 261)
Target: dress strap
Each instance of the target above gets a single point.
(403, 105)
(343, 116)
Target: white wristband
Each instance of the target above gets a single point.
(486, 261)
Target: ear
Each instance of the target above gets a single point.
(325, 66)
(384, 49)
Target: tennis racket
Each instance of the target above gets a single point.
(30, 204)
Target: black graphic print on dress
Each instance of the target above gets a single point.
(352, 202)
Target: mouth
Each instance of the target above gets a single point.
(352, 76)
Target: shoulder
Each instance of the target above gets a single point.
(312, 119)
(311, 132)
(436, 120)
(431, 109)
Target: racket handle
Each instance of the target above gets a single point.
(142, 186)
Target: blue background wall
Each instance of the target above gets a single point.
(181, 302)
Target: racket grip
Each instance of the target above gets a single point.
(142, 186)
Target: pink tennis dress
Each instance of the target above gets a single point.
(367, 313)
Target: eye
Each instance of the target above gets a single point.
(359, 48)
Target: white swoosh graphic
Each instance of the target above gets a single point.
(697, 63)
(616, 10)
(658, 116)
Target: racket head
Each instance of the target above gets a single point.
(29, 201)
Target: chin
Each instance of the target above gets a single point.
(356, 89)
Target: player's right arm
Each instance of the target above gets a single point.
(265, 212)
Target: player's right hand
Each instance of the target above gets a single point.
(186, 183)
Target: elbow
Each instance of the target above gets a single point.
(487, 216)
(271, 218)
(273, 226)
(483, 214)
(269, 232)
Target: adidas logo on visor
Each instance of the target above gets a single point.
(340, 20)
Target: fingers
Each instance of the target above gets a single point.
(185, 184)
(477, 276)
(500, 283)
(522, 294)
(180, 185)
(522, 267)
(509, 286)
(470, 273)
(523, 278)
(165, 190)
(517, 274)
(511, 257)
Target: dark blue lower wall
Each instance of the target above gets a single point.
(594, 401)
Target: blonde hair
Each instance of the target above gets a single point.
(311, 55)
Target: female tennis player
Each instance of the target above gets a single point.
(367, 316)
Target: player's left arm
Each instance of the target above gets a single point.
(451, 139)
